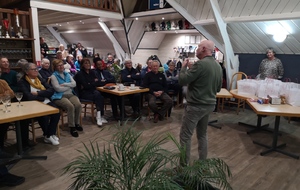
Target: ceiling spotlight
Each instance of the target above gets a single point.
(155, 32)
(163, 18)
(56, 24)
(60, 25)
(68, 23)
(136, 18)
(80, 21)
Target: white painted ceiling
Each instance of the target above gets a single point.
(248, 23)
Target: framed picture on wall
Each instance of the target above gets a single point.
(90, 51)
(193, 39)
(187, 39)
(198, 39)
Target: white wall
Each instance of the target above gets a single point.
(165, 50)
(141, 56)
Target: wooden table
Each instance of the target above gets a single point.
(224, 93)
(30, 109)
(277, 111)
(125, 92)
(258, 126)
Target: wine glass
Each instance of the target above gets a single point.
(19, 96)
(1, 102)
(5, 100)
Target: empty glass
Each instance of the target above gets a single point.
(19, 96)
(5, 100)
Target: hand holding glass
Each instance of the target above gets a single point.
(19, 96)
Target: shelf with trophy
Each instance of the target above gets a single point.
(16, 40)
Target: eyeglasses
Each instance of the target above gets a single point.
(34, 69)
(61, 65)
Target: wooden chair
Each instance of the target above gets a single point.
(233, 84)
(88, 105)
(34, 125)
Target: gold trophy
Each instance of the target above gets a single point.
(5, 23)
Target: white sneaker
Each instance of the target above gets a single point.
(55, 137)
(51, 140)
(99, 122)
(104, 120)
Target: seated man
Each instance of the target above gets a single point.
(105, 77)
(10, 76)
(130, 75)
(5, 177)
(172, 80)
(157, 83)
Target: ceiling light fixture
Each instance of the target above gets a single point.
(163, 18)
(136, 18)
(279, 37)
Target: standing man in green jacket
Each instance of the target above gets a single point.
(204, 80)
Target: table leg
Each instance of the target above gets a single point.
(210, 123)
(123, 110)
(274, 146)
(19, 145)
(258, 126)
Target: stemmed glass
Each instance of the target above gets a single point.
(1, 102)
(19, 96)
(5, 100)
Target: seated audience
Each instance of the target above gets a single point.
(86, 81)
(10, 76)
(69, 65)
(21, 64)
(77, 62)
(157, 84)
(105, 77)
(64, 52)
(64, 96)
(130, 75)
(35, 88)
(146, 69)
(45, 71)
(172, 80)
(6, 178)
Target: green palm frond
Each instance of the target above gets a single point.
(126, 163)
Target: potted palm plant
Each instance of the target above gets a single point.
(127, 163)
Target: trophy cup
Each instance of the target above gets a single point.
(19, 28)
(5, 23)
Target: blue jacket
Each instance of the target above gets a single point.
(67, 79)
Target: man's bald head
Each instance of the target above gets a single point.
(205, 48)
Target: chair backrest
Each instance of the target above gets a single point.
(236, 77)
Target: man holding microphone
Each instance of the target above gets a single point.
(204, 80)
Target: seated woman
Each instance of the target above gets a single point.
(64, 95)
(36, 88)
(86, 81)
(45, 71)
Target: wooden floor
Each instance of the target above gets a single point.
(250, 171)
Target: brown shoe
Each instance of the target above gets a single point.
(156, 116)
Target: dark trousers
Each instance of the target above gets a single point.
(24, 132)
(97, 98)
(167, 103)
(49, 123)
(113, 102)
